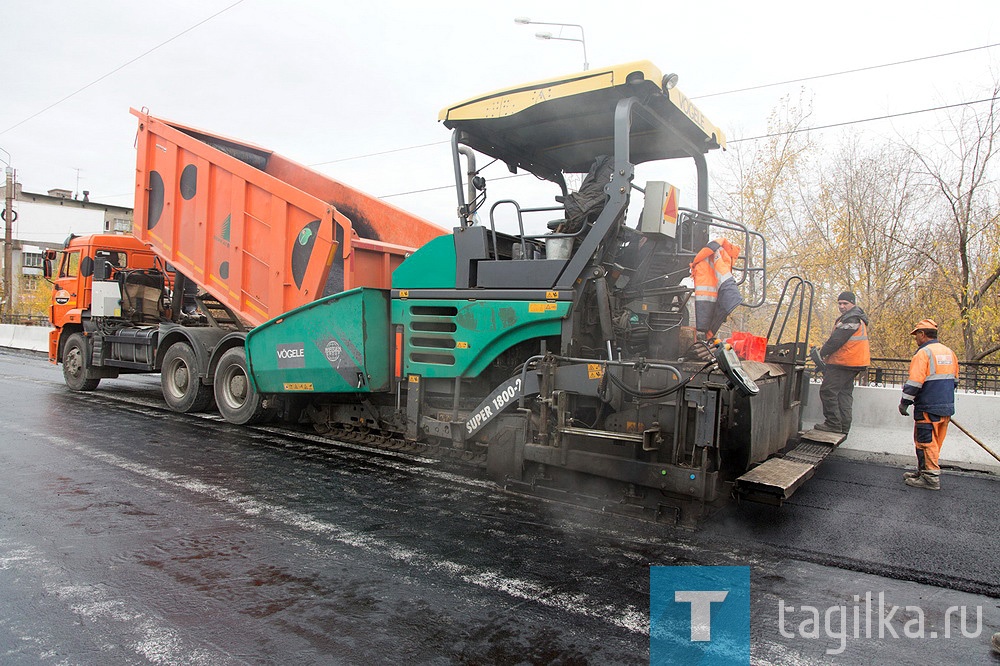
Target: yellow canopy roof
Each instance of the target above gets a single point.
(562, 124)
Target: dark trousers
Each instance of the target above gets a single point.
(837, 395)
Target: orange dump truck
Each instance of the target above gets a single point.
(227, 235)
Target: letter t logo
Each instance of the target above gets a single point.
(701, 610)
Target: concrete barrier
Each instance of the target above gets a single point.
(880, 434)
(32, 338)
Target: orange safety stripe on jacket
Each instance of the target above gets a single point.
(854, 353)
(931, 362)
(933, 376)
(706, 284)
(724, 258)
(708, 275)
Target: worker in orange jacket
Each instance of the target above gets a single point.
(846, 354)
(715, 291)
(931, 390)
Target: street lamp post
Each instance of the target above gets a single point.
(548, 35)
(8, 255)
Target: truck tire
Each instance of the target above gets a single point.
(76, 365)
(236, 398)
(182, 390)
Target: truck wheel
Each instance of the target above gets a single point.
(76, 365)
(237, 400)
(183, 391)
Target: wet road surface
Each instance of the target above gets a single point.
(132, 535)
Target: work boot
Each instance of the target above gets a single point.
(912, 474)
(925, 481)
(995, 642)
(826, 427)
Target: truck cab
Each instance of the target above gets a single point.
(84, 262)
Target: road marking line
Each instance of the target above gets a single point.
(625, 617)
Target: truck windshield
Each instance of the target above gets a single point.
(70, 265)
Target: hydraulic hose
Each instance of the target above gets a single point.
(604, 311)
(662, 393)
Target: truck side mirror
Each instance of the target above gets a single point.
(47, 260)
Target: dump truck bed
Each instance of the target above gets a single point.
(260, 232)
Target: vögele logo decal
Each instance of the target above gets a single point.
(291, 355)
(699, 615)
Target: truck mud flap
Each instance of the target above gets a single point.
(774, 481)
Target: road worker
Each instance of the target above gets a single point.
(846, 354)
(715, 291)
(931, 391)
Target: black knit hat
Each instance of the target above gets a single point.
(847, 296)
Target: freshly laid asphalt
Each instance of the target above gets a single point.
(132, 535)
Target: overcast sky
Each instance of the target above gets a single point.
(321, 81)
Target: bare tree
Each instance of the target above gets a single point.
(911, 228)
(867, 196)
(761, 189)
(963, 255)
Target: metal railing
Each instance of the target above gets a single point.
(25, 320)
(973, 377)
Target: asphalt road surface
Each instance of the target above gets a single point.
(132, 535)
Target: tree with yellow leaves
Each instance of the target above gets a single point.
(960, 240)
(35, 296)
(911, 229)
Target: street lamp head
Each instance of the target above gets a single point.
(523, 20)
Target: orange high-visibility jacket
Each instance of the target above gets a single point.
(712, 267)
(856, 352)
(933, 376)
(848, 342)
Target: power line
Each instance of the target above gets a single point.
(447, 187)
(756, 138)
(863, 120)
(121, 67)
(846, 71)
(727, 92)
(384, 152)
(429, 189)
(730, 141)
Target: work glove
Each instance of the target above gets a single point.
(903, 407)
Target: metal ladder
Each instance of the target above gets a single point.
(774, 480)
